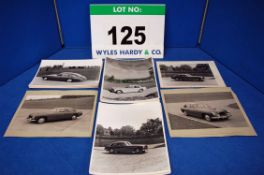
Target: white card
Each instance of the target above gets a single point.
(127, 30)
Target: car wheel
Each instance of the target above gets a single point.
(185, 113)
(119, 92)
(41, 120)
(69, 80)
(137, 151)
(111, 151)
(140, 90)
(74, 117)
(207, 117)
(176, 79)
(45, 78)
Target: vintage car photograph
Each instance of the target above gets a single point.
(130, 143)
(65, 76)
(128, 89)
(57, 114)
(174, 74)
(205, 111)
(54, 113)
(187, 77)
(125, 147)
(126, 81)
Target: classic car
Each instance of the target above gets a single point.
(205, 111)
(65, 76)
(128, 89)
(57, 114)
(186, 77)
(125, 147)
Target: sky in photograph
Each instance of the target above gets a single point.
(37, 97)
(116, 116)
(128, 69)
(66, 63)
(178, 64)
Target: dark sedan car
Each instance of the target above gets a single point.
(57, 114)
(186, 77)
(125, 147)
(65, 76)
(205, 111)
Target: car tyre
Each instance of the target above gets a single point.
(74, 117)
(207, 117)
(111, 151)
(137, 151)
(119, 92)
(185, 113)
(41, 120)
(140, 90)
(45, 78)
(69, 80)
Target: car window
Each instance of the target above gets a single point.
(128, 143)
(121, 144)
(63, 110)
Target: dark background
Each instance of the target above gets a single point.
(233, 36)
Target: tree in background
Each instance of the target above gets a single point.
(127, 130)
(152, 127)
(100, 130)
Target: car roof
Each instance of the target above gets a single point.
(197, 104)
(183, 74)
(120, 142)
(63, 108)
(72, 73)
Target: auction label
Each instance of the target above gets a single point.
(127, 30)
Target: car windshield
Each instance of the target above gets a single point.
(128, 143)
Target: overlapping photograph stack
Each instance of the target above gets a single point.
(129, 134)
(59, 113)
(200, 105)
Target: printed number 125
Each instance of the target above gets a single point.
(139, 34)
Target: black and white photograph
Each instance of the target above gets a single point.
(129, 81)
(205, 112)
(54, 114)
(177, 74)
(68, 74)
(129, 139)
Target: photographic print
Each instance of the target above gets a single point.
(205, 112)
(129, 139)
(173, 74)
(128, 81)
(54, 114)
(67, 74)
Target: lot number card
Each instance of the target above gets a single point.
(127, 30)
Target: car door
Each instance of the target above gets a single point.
(122, 148)
(127, 89)
(197, 111)
(58, 77)
(63, 114)
(193, 110)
